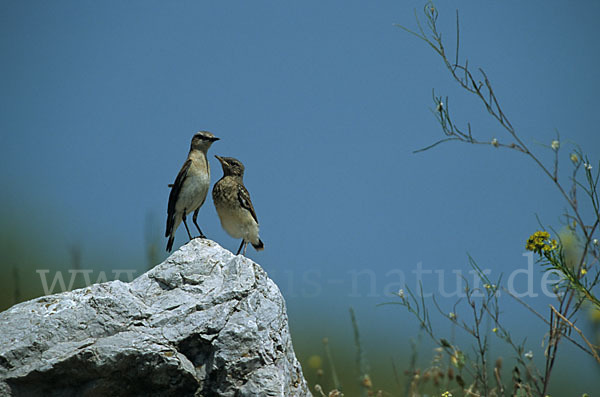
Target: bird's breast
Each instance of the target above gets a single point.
(194, 191)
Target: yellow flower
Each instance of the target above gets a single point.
(574, 158)
(366, 382)
(494, 330)
(555, 145)
(551, 246)
(540, 242)
(446, 394)
(583, 271)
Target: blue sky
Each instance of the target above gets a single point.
(324, 102)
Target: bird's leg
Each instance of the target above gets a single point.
(245, 246)
(196, 223)
(186, 226)
(240, 249)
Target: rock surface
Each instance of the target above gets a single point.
(202, 323)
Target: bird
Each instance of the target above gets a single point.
(190, 188)
(233, 205)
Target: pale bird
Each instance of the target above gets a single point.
(191, 186)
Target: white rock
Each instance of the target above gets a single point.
(202, 323)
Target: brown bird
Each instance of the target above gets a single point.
(191, 186)
(234, 206)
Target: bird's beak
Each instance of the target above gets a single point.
(219, 158)
(214, 139)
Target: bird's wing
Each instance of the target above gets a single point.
(245, 202)
(176, 188)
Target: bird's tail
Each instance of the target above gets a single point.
(169, 225)
(260, 246)
(170, 242)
